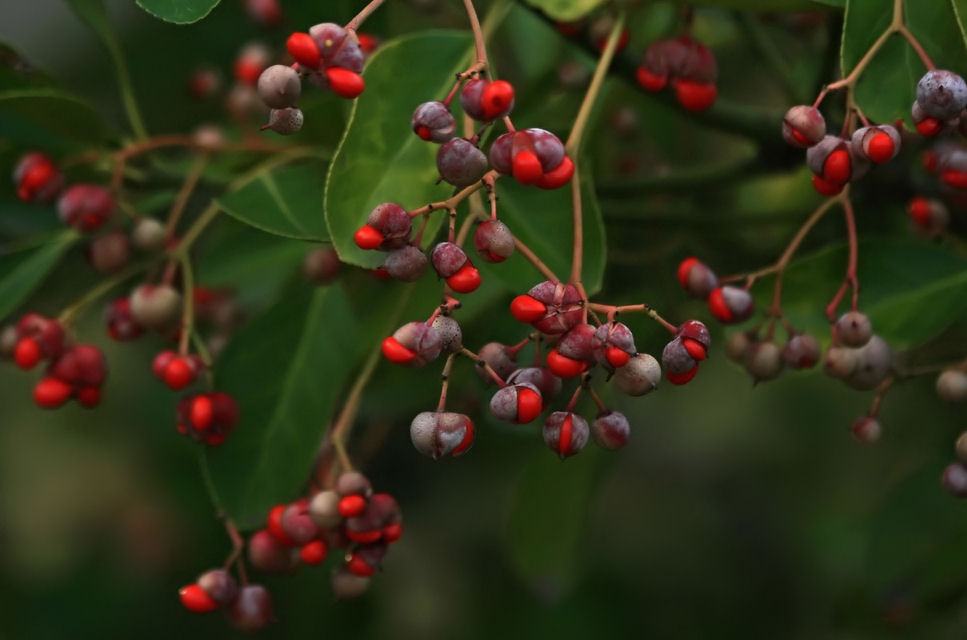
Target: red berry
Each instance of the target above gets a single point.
(247, 71)
(368, 43)
(930, 161)
(616, 356)
(344, 82)
(681, 378)
(650, 81)
(352, 506)
(684, 269)
(558, 176)
(497, 99)
(202, 413)
(396, 352)
(529, 405)
(527, 309)
(424, 132)
(27, 353)
(304, 49)
(838, 167)
(196, 599)
(179, 373)
(695, 348)
(368, 238)
(694, 96)
(564, 367)
(313, 553)
(89, 396)
(465, 280)
(51, 393)
(527, 167)
(274, 525)
(929, 127)
(919, 210)
(393, 532)
(826, 188)
(954, 178)
(880, 147)
(359, 566)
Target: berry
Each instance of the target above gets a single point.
(763, 360)
(47, 336)
(730, 304)
(388, 226)
(926, 125)
(460, 162)
(736, 345)
(353, 483)
(695, 338)
(499, 358)
(565, 433)
(448, 259)
(196, 599)
(803, 126)
(252, 609)
(433, 122)
(27, 353)
(264, 12)
(285, 122)
(610, 430)
(853, 329)
(801, 351)
(952, 385)
(497, 99)
(303, 49)
(878, 144)
(219, 585)
(324, 509)
(406, 264)
(493, 241)
(564, 367)
(466, 280)
(694, 96)
(268, 554)
(51, 393)
(80, 365)
(148, 235)
(873, 363)
(840, 362)
(174, 370)
(696, 278)
(679, 365)
(251, 61)
(109, 252)
(519, 403)
(526, 309)
(546, 382)
(942, 94)
(322, 265)
(207, 417)
(37, 178)
(344, 82)
(451, 336)
(866, 429)
(929, 216)
(613, 345)
(440, 433)
(578, 343)
(346, 584)
(297, 524)
(640, 376)
(825, 188)
(85, 207)
(954, 480)
(562, 307)
(368, 238)
(329, 37)
(155, 306)
(279, 86)
(413, 344)
(313, 553)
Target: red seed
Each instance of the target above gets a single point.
(368, 237)
(51, 393)
(529, 405)
(304, 49)
(344, 82)
(27, 353)
(527, 309)
(396, 352)
(196, 599)
(465, 280)
(352, 506)
(564, 367)
(314, 552)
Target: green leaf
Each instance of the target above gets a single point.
(548, 515)
(286, 370)
(286, 201)
(566, 10)
(542, 221)
(48, 117)
(178, 11)
(380, 159)
(24, 270)
(16, 72)
(770, 5)
(887, 87)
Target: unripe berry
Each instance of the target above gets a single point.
(493, 241)
(803, 126)
(840, 362)
(613, 345)
(279, 86)
(406, 264)
(517, 403)
(265, 553)
(763, 360)
(220, 586)
(952, 385)
(414, 344)
(954, 480)
(109, 252)
(736, 345)
(252, 609)
(696, 278)
(285, 122)
(731, 304)
(873, 363)
(640, 376)
(148, 235)
(961, 447)
(610, 430)
(433, 122)
(155, 306)
(853, 329)
(37, 178)
(346, 584)
(929, 216)
(85, 207)
(324, 509)
(460, 162)
(499, 358)
(441, 433)
(565, 433)
(321, 265)
(866, 429)
(451, 336)
(298, 525)
(801, 352)
(679, 365)
(942, 94)
(353, 483)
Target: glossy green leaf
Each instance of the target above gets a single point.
(547, 519)
(887, 87)
(23, 271)
(286, 201)
(178, 11)
(286, 370)
(566, 10)
(49, 117)
(380, 159)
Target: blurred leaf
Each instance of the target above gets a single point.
(380, 159)
(24, 270)
(286, 201)
(566, 10)
(16, 72)
(887, 87)
(770, 5)
(548, 516)
(178, 11)
(49, 117)
(286, 369)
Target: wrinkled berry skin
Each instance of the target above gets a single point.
(942, 94)
(610, 430)
(85, 207)
(451, 335)
(565, 433)
(803, 126)
(285, 121)
(441, 433)
(460, 162)
(493, 241)
(406, 264)
(640, 376)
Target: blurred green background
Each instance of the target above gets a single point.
(733, 512)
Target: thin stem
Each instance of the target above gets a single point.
(483, 364)
(457, 198)
(574, 398)
(850, 280)
(445, 376)
(478, 37)
(195, 230)
(534, 260)
(584, 113)
(927, 62)
(880, 394)
(188, 304)
(577, 219)
(184, 194)
(68, 315)
(597, 401)
(342, 428)
(357, 21)
(645, 308)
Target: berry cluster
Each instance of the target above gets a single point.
(727, 303)
(249, 607)
(685, 66)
